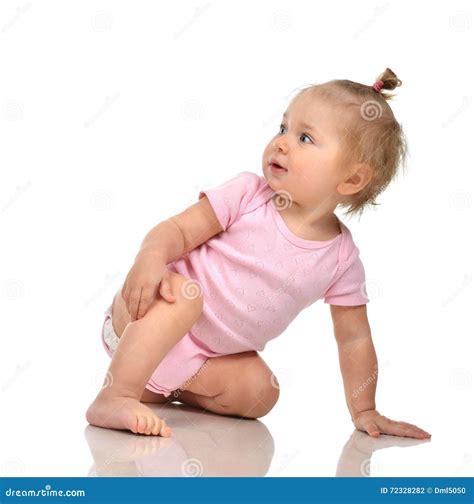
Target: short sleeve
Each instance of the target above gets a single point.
(231, 199)
(350, 288)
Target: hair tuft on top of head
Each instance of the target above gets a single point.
(390, 82)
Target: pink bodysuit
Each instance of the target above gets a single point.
(255, 277)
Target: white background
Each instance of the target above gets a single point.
(114, 114)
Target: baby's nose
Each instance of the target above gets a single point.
(281, 145)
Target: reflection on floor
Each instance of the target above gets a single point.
(206, 444)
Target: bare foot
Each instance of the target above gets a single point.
(116, 412)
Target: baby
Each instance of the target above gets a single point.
(213, 284)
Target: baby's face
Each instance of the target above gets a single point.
(308, 146)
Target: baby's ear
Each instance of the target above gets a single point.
(359, 176)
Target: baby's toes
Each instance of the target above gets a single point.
(162, 429)
(165, 430)
(140, 424)
(156, 426)
(149, 425)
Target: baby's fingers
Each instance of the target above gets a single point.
(402, 429)
(147, 296)
(165, 289)
(134, 301)
(372, 429)
(413, 431)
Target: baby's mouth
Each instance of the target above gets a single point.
(276, 167)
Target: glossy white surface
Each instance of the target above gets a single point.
(307, 433)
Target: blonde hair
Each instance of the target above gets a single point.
(369, 131)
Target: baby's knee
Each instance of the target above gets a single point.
(184, 310)
(256, 397)
(265, 396)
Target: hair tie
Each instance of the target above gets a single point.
(378, 86)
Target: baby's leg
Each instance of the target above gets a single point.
(141, 348)
(239, 384)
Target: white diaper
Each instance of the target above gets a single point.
(110, 338)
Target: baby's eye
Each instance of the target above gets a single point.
(303, 135)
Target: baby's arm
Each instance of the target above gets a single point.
(166, 242)
(180, 234)
(359, 369)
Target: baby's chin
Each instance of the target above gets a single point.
(272, 181)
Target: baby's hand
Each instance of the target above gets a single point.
(138, 291)
(374, 424)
